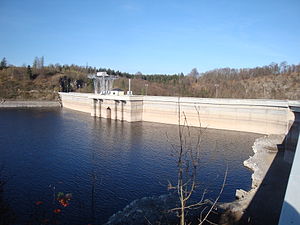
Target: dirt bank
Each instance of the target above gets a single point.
(29, 104)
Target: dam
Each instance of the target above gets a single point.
(261, 116)
(249, 115)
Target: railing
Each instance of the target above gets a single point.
(290, 212)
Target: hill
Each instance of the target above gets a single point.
(275, 81)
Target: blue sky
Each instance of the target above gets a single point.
(166, 36)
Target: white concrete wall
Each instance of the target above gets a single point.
(258, 116)
(76, 101)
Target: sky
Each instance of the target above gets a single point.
(153, 36)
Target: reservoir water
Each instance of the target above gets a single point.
(104, 164)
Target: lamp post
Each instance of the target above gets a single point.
(264, 90)
(129, 92)
(217, 85)
(146, 86)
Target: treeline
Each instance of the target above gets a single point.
(245, 73)
(40, 81)
(274, 81)
(226, 73)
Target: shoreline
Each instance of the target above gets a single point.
(5, 104)
(265, 150)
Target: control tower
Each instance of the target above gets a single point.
(103, 83)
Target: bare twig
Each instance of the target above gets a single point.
(147, 220)
(217, 199)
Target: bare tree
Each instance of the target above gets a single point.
(194, 73)
(38, 62)
(42, 62)
(188, 162)
(35, 63)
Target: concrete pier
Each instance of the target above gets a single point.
(124, 108)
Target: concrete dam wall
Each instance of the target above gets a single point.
(257, 116)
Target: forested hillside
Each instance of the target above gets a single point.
(275, 81)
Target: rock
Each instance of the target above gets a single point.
(148, 210)
(240, 193)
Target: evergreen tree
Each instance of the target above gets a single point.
(3, 63)
(29, 72)
(194, 73)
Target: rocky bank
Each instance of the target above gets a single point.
(265, 150)
(29, 104)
